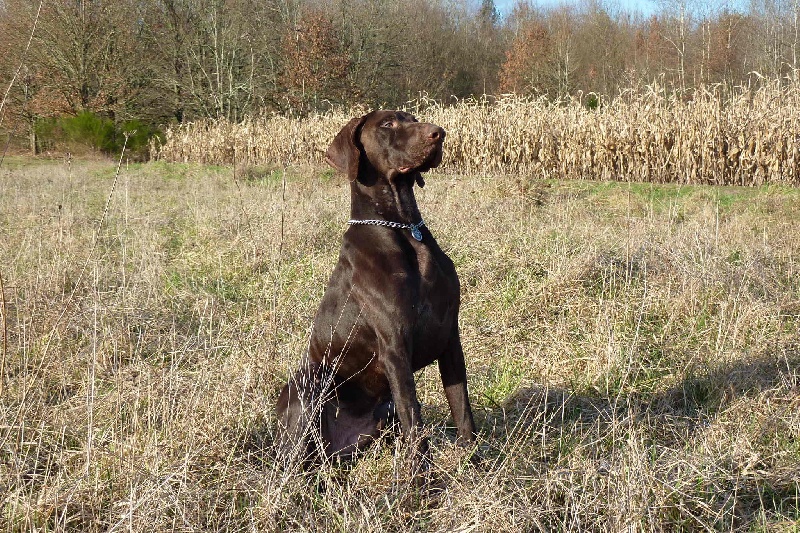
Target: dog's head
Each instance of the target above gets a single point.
(393, 142)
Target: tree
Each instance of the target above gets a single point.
(524, 69)
(726, 57)
(600, 51)
(315, 64)
(487, 45)
(776, 37)
(78, 60)
(86, 49)
(488, 16)
(542, 56)
(675, 25)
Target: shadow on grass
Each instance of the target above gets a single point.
(702, 422)
(696, 399)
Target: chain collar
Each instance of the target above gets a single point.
(415, 228)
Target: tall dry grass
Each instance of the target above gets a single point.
(715, 136)
(633, 354)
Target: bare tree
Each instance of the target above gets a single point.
(600, 48)
(86, 49)
(215, 58)
(677, 18)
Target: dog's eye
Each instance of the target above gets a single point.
(388, 124)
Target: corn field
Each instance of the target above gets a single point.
(713, 136)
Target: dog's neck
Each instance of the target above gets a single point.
(385, 199)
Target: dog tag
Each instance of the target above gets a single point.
(416, 233)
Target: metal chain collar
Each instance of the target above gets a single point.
(415, 228)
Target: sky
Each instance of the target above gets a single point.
(646, 7)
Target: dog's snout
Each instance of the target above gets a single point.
(436, 134)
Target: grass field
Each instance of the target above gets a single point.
(632, 349)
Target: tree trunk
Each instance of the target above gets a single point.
(34, 149)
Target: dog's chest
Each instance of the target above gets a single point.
(384, 292)
(437, 275)
(437, 296)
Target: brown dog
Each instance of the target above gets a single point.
(390, 308)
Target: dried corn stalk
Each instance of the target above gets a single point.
(646, 135)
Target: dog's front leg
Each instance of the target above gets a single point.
(453, 371)
(397, 364)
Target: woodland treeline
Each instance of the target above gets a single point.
(157, 62)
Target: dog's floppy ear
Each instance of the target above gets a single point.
(344, 152)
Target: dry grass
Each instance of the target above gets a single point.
(738, 138)
(633, 354)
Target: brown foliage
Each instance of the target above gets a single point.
(315, 63)
(526, 58)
